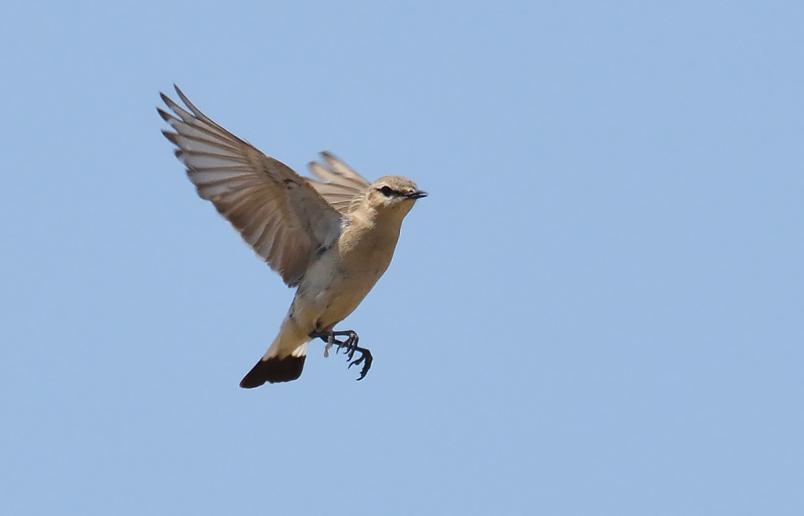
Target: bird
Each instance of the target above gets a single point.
(331, 236)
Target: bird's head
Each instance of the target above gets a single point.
(393, 194)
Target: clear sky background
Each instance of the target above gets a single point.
(599, 310)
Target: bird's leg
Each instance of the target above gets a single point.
(328, 338)
(351, 343)
(329, 342)
(350, 346)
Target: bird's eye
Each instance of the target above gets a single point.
(386, 191)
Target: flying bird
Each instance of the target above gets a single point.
(331, 237)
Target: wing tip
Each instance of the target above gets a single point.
(171, 104)
(197, 112)
(172, 137)
(167, 117)
(180, 93)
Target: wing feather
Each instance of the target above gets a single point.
(277, 212)
(339, 184)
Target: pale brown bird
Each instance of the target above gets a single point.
(332, 237)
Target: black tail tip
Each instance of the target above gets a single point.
(273, 370)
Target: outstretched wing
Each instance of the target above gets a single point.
(341, 186)
(275, 210)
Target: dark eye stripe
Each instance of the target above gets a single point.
(387, 191)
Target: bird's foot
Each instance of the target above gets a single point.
(365, 359)
(349, 347)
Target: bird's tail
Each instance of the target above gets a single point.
(284, 360)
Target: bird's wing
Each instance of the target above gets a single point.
(340, 185)
(275, 210)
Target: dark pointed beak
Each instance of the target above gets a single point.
(418, 194)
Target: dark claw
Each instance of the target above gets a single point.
(349, 348)
(365, 359)
(366, 367)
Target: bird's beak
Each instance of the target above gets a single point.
(418, 194)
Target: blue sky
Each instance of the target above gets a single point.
(598, 310)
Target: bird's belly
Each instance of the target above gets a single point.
(343, 296)
(335, 285)
(333, 295)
